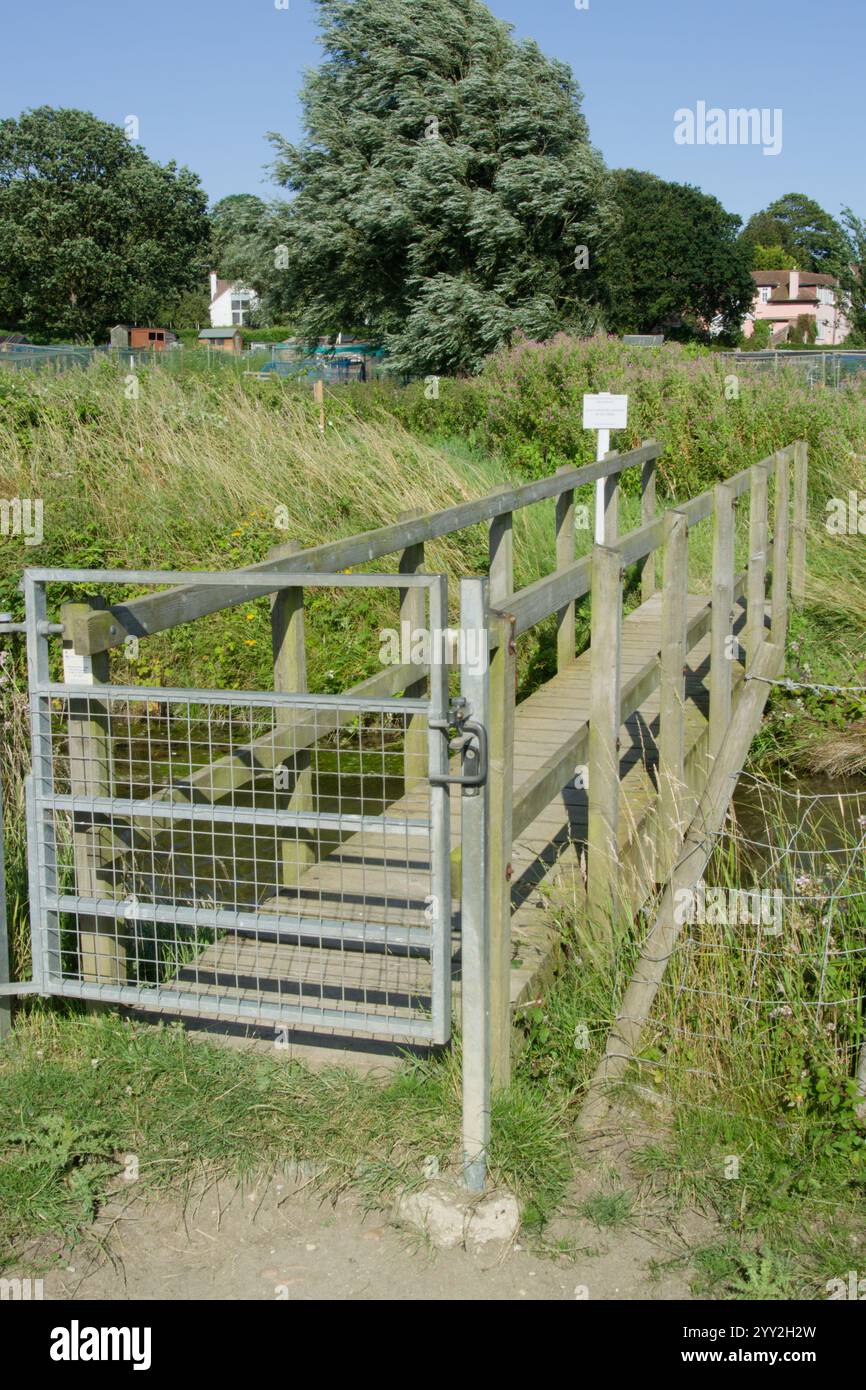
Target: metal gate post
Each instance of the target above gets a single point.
(474, 916)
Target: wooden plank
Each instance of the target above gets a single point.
(672, 769)
(566, 616)
(801, 518)
(781, 543)
(413, 615)
(647, 516)
(758, 541)
(604, 747)
(157, 612)
(288, 644)
(102, 953)
(611, 504)
(721, 657)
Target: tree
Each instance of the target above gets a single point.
(676, 259)
(237, 223)
(802, 228)
(445, 188)
(92, 231)
(852, 276)
(773, 258)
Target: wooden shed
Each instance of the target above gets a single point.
(223, 339)
(124, 335)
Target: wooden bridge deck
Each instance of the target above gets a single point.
(369, 878)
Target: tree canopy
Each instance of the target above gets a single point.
(675, 259)
(92, 231)
(444, 190)
(803, 229)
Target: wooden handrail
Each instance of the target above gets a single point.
(141, 617)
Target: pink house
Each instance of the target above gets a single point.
(783, 296)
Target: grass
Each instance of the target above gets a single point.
(82, 1096)
(195, 473)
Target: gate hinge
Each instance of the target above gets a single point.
(468, 738)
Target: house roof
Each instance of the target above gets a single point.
(221, 287)
(779, 283)
(218, 332)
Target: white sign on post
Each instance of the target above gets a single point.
(603, 412)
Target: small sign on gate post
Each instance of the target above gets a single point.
(603, 412)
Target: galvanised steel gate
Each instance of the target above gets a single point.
(266, 857)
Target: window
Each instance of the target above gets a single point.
(765, 292)
(240, 309)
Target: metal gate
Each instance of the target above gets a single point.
(270, 858)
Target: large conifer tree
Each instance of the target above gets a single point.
(444, 188)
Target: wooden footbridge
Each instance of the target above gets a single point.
(311, 862)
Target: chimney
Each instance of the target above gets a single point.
(213, 286)
(794, 284)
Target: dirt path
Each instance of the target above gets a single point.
(277, 1240)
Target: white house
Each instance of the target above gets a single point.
(230, 303)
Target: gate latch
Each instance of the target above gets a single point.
(469, 740)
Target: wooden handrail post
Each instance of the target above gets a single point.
(288, 644)
(647, 514)
(501, 551)
(604, 722)
(566, 617)
(611, 503)
(672, 695)
(413, 618)
(781, 542)
(801, 506)
(102, 953)
(758, 542)
(503, 682)
(721, 653)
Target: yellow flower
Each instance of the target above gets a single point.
(250, 617)
(236, 533)
(249, 641)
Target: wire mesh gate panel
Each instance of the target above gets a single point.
(251, 856)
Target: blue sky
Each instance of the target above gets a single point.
(208, 78)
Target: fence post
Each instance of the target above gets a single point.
(102, 955)
(604, 722)
(566, 617)
(647, 514)
(611, 503)
(672, 695)
(288, 644)
(721, 656)
(503, 682)
(501, 551)
(801, 502)
(413, 616)
(757, 580)
(475, 918)
(781, 541)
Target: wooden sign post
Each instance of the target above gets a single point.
(603, 412)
